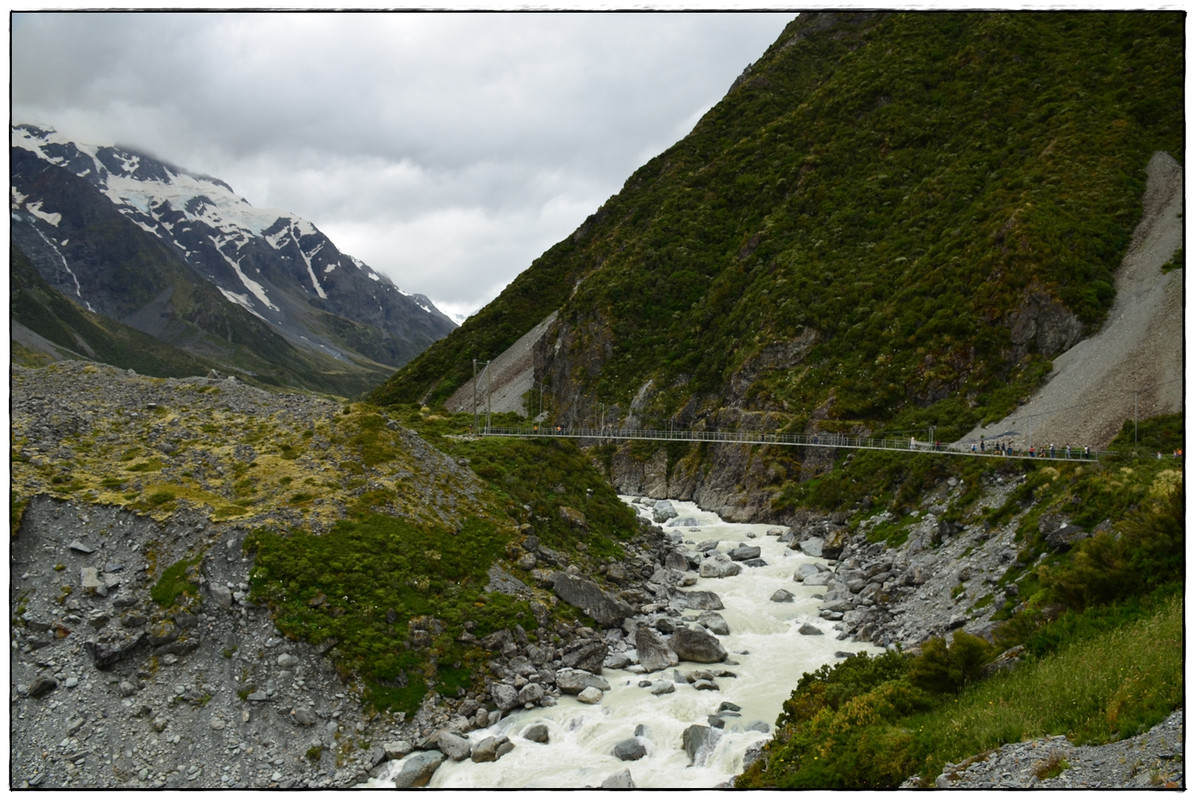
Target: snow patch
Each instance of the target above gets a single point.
(253, 286)
(241, 300)
(45, 216)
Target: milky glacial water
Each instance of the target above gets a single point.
(769, 658)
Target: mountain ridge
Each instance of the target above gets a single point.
(275, 267)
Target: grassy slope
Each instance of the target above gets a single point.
(895, 187)
(343, 505)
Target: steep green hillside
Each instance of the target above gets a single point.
(856, 230)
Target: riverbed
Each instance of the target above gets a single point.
(767, 656)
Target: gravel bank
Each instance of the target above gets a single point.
(1136, 360)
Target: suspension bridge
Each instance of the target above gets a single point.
(979, 449)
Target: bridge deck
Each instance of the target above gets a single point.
(824, 440)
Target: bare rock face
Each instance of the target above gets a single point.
(1043, 318)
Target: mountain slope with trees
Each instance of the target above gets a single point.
(891, 221)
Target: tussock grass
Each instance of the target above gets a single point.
(1114, 685)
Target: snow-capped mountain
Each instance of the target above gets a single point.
(276, 267)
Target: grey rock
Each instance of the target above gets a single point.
(654, 652)
(820, 579)
(453, 745)
(505, 696)
(89, 580)
(491, 748)
(306, 717)
(809, 629)
(416, 770)
(782, 596)
(42, 685)
(691, 644)
(675, 560)
(807, 569)
(531, 693)
(397, 748)
(663, 511)
(663, 687)
(812, 546)
(698, 742)
(619, 780)
(587, 596)
(744, 552)
(701, 600)
(107, 652)
(591, 695)
(714, 622)
(1066, 537)
(574, 681)
(629, 750)
(718, 567)
(586, 654)
(537, 733)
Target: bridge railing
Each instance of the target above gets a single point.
(826, 440)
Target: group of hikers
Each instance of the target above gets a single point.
(1006, 449)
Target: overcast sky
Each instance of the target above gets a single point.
(446, 150)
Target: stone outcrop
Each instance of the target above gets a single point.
(584, 594)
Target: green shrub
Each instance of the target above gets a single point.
(942, 669)
(178, 579)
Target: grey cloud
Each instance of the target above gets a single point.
(451, 149)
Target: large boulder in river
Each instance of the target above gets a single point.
(584, 594)
(575, 681)
(701, 600)
(629, 750)
(744, 552)
(714, 622)
(718, 566)
(691, 644)
(807, 570)
(654, 652)
(417, 769)
(453, 745)
(699, 741)
(662, 511)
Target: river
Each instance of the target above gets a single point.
(768, 653)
